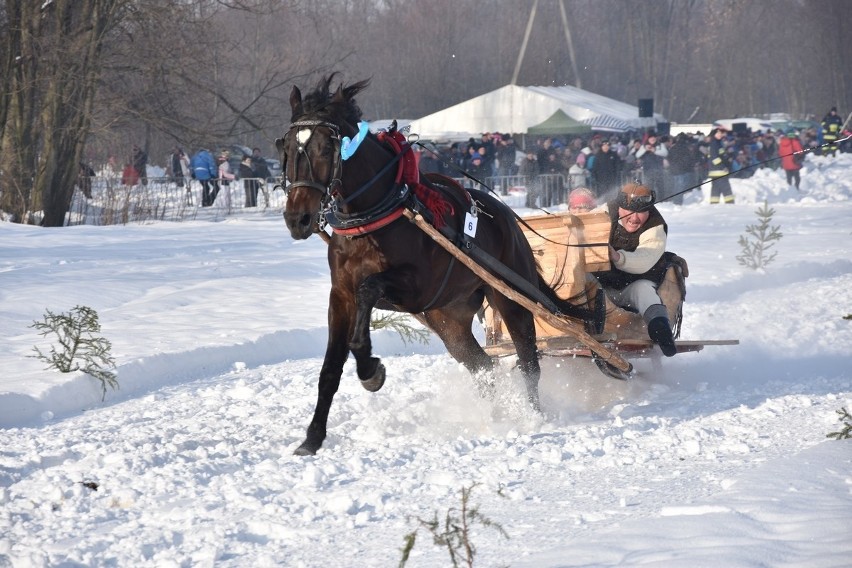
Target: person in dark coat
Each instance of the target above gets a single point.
(506, 152)
(251, 184)
(84, 179)
(529, 170)
(831, 125)
(477, 168)
(179, 166)
(139, 160)
(653, 168)
(430, 163)
(606, 170)
(258, 164)
(683, 159)
(719, 168)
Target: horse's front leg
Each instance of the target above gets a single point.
(370, 369)
(340, 316)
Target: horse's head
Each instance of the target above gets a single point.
(310, 151)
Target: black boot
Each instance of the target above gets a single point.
(660, 333)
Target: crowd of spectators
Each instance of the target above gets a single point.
(211, 171)
(604, 162)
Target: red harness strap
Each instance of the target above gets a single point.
(372, 226)
(409, 174)
(407, 171)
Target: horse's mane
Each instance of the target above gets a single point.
(340, 104)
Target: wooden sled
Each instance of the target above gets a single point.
(568, 269)
(608, 360)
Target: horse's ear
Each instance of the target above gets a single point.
(296, 101)
(352, 90)
(339, 96)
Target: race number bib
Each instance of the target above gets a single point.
(470, 224)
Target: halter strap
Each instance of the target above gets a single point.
(311, 183)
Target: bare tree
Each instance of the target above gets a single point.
(55, 49)
(108, 74)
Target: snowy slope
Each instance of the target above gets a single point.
(218, 328)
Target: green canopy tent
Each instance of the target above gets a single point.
(559, 123)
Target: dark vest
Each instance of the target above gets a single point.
(621, 239)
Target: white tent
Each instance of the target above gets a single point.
(513, 109)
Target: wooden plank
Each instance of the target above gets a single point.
(548, 237)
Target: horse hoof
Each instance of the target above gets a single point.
(535, 404)
(306, 449)
(375, 382)
(486, 390)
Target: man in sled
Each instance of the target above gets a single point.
(639, 261)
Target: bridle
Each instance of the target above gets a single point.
(304, 132)
(330, 212)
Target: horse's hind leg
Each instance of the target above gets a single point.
(453, 326)
(370, 369)
(458, 338)
(521, 326)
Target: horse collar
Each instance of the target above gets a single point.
(389, 209)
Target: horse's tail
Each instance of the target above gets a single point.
(592, 311)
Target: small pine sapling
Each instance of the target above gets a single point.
(454, 533)
(79, 348)
(400, 323)
(846, 432)
(755, 253)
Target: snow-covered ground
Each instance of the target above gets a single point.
(718, 458)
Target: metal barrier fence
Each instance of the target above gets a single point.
(552, 189)
(162, 199)
(548, 189)
(111, 203)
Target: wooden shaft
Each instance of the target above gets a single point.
(560, 322)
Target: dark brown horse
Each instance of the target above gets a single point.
(386, 260)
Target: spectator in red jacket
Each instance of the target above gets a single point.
(792, 155)
(129, 176)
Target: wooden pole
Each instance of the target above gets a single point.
(577, 81)
(524, 44)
